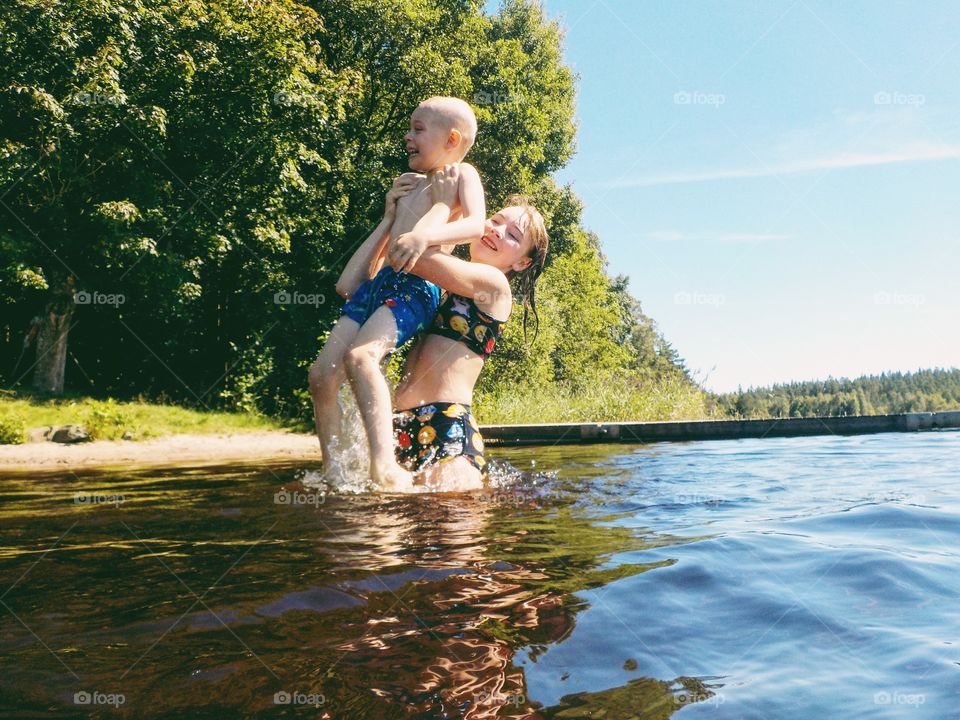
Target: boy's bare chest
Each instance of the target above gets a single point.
(414, 206)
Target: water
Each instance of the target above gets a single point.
(778, 578)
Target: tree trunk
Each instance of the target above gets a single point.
(51, 361)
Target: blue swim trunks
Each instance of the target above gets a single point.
(412, 300)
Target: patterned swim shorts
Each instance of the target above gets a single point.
(437, 432)
(412, 300)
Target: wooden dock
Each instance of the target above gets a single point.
(678, 431)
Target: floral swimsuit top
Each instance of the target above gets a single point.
(458, 318)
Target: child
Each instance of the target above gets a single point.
(390, 307)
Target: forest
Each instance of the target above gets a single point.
(181, 183)
(888, 393)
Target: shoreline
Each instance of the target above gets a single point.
(187, 450)
(284, 446)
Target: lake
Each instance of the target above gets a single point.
(778, 578)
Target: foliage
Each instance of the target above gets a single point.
(199, 172)
(609, 397)
(888, 393)
(12, 431)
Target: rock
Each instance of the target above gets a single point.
(39, 434)
(69, 434)
(127, 436)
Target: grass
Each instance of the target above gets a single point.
(609, 399)
(606, 399)
(110, 419)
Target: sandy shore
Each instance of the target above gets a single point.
(172, 450)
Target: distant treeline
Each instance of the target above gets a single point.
(896, 392)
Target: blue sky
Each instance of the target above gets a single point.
(779, 179)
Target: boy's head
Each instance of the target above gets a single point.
(442, 129)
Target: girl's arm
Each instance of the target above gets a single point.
(487, 286)
(358, 267)
(365, 261)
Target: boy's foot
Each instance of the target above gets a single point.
(334, 475)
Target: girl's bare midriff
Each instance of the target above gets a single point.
(438, 369)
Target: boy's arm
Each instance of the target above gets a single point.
(427, 233)
(473, 206)
(365, 261)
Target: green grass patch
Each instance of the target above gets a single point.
(609, 399)
(110, 419)
(12, 431)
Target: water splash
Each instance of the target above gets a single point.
(351, 475)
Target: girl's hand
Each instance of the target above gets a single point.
(401, 188)
(446, 185)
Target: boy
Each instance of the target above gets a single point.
(390, 307)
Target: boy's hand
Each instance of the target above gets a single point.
(445, 186)
(406, 250)
(401, 188)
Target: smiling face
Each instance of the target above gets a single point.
(504, 244)
(431, 142)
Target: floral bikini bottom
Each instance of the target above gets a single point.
(438, 432)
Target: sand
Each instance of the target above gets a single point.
(171, 450)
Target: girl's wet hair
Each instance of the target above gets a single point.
(524, 281)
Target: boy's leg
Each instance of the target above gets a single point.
(376, 338)
(327, 375)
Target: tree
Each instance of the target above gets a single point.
(149, 150)
(176, 176)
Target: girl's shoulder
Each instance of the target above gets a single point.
(497, 302)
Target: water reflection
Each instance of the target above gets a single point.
(199, 593)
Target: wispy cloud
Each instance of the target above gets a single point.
(677, 236)
(914, 153)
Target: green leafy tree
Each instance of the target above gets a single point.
(164, 153)
(211, 166)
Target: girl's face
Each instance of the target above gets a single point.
(504, 244)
